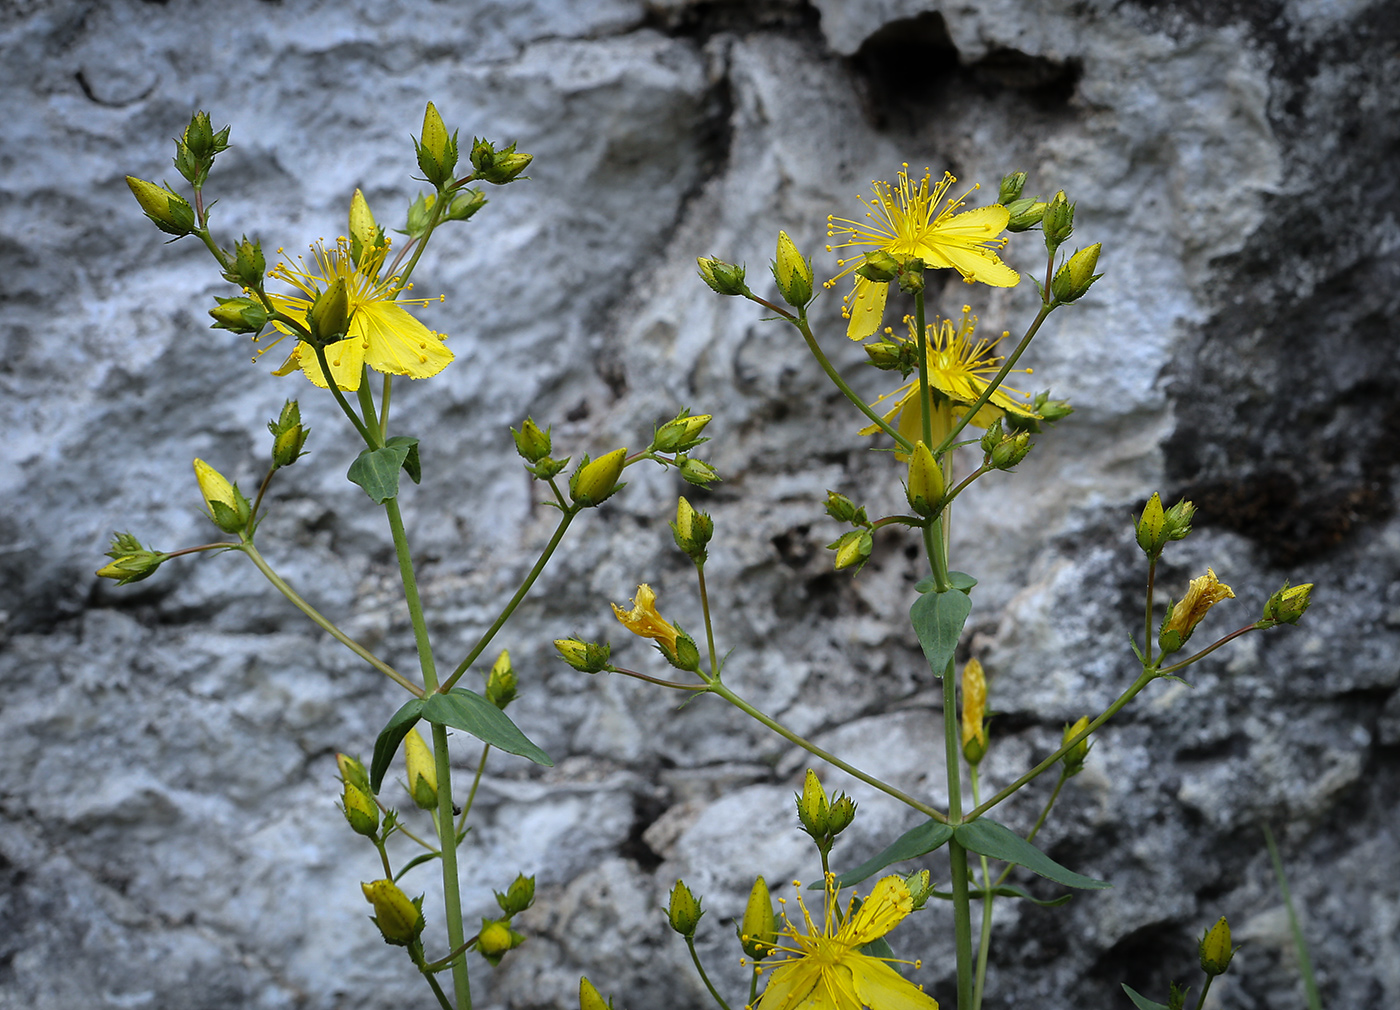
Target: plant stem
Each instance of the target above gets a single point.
(1147, 634)
(957, 855)
(690, 945)
(437, 991)
(1168, 670)
(659, 682)
(476, 781)
(369, 437)
(509, 609)
(1305, 965)
(705, 609)
(724, 692)
(324, 623)
(984, 941)
(1204, 989)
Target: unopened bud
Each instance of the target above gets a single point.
(248, 265)
(498, 167)
(1011, 450)
(758, 929)
(436, 149)
(466, 203)
(1058, 221)
(169, 211)
(501, 682)
(925, 487)
(1025, 214)
(360, 810)
(400, 920)
(1286, 605)
(227, 507)
(792, 273)
(911, 277)
(842, 509)
(518, 897)
(684, 910)
(288, 435)
(329, 315)
(696, 471)
(692, 530)
(238, 315)
(852, 548)
(589, 998)
(422, 770)
(495, 938)
(991, 438)
(680, 433)
(532, 443)
(1216, 951)
(587, 657)
(813, 808)
(974, 712)
(879, 266)
(920, 887)
(840, 815)
(1074, 757)
(723, 278)
(352, 772)
(1010, 189)
(366, 237)
(1074, 279)
(196, 148)
(130, 561)
(593, 482)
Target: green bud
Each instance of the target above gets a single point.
(758, 930)
(723, 278)
(1011, 450)
(329, 316)
(549, 468)
(925, 487)
(288, 435)
(697, 472)
(518, 897)
(879, 266)
(238, 315)
(495, 938)
(920, 887)
(911, 278)
(497, 167)
(130, 561)
(686, 654)
(360, 810)
(792, 273)
(586, 657)
(248, 265)
(841, 814)
(1010, 188)
(1074, 757)
(466, 203)
(400, 920)
(991, 438)
(436, 149)
(852, 548)
(594, 482)
(421, 769)
(589, 998)
(1176, 996)
(1074, 279)
(684, 910)
(1156, 526)
(1057, 224)
(1025, 214)
(501, 682)
(692, 531)
(228, 509)
(1286, 606)
(813, 808)
(168, 211)
(1216, 951)
(843, 510)
(532, 443)
(196, 148)
(1179, 518)
(892, 355)
(681, 433)
(352, 772)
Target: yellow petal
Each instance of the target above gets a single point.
(397, 342)
(867, 308)
(879, 985)
(889, 902)
(346, 358)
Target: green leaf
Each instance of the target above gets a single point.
(989, 838)
(387, 745)
(415, 861)
(411, 464)
(938, 621)
(469, 711)
(1142, 1002)
(1012, 891)
(915, 842)
(960, 581)
(377, 471)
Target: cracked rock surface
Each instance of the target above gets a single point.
(168, 829)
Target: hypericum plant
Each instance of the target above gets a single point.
(344, 316)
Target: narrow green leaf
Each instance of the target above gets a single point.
(415, 861)
(469, 711)
(387, 745)
(411, 464)
(938, 621)
(1012, 891)
(377, 471)
(915, 842)
(989, 838)
(1142, 1002)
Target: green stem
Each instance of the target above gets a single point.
(1145, 678)
(753, 984)
(953, 494)
(659, 682)
(437, 991)
(984, 941)
(1147, 635)
(957, 855)
(367, 408)
(1204, 989)
(1168, 670)
(1305, 965)
(724, 692)
(925, 401)
(515, 600)
(384, 405)
(690, 945)
(340, 397)
(324, 623)
(476, 781)
(705, 609)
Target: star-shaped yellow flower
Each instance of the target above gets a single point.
(643, 619)
(826, 970)
(382, 333)
(905, 222)
(959, 368)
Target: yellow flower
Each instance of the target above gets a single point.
(959, 368)
(382, 334)
(1201, 595)
(905, 222)
(826, 970)
(643, 619)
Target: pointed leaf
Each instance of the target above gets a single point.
(469, 711)
(387, 745)
(989, 838)
(938, 621)
(1012, 891)
(915, 842)
(411, 464)
(377, 471)
(1142, 1002)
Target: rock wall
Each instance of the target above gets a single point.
(169, 836)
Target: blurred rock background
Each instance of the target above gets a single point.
(168, 830)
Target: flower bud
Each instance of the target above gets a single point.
(813, 809)
(466, 203)
(130, 561)
(840, 814)
(1011, 450)
(1285, 606)
(518, 897)
(501, 682)
(843, 510)
(692, 531)
(227, 507)
(1010, 189)
(684, 910)
(196, 148)
(1181, 621)
(911, 276)
(681, 652)
(436, 150)
(1075, 756)
(1157, 526)
(288, 435)
(925, 487)
(1058, 222)
(974, 711)
(495, 938)
(723, 278)
(792, 273)
(681, 433)
(589, 997)
(169, 211)
(594, 482)
(1215, 949)
(586, 657)
(497, 167)
(1025, 214)
(1074, 279)
(852, 548)
(920, 887)
(329, 315)
(758, 930)
(366, 237)
(352, 772)
(422, 770)
(238, 315)
(1176, 996)
(1179, 518)
(360, 810)
(879, 266)
(532, 443)
(696, 471)
(991, 438)
(399, 919)
(248, 265)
